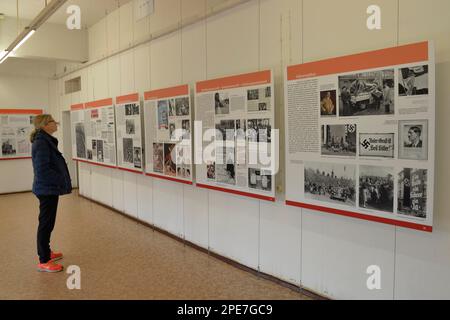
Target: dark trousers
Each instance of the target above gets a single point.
(48, 205)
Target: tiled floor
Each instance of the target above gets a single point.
(119, 259)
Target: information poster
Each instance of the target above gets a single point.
(100, 132)
(77, 119)
(168, 134)
(234, 151)
(360, 136)
(16, 126)
(129, 133)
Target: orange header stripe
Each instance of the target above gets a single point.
(369, 60)
(21, 111)
(182, 90)
(99, 103)
(243, 80)
(128, 98)
(79, 106)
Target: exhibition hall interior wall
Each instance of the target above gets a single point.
(324, 253)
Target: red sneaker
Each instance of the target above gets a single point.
(49, 267)
(55, 256)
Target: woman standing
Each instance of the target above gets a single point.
(51, 179)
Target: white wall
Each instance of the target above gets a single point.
(24, 84)
(325, 253)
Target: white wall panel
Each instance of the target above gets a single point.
(168, 206)
(192, 9)
(113, 25)
(141, 28)
(336, 252)
(130, 193)
(145, 198)
(329, 34)
(142, 68)
(233, 41)
(127, 78)
(196, 215)
(114, 79)
(166, 61)
(18, 174)
(98, 40)
(85, 180)
(280, 241)
(100, 77)
(126, 23)
(101, 185)
(118, 190)
(233, 227)
(168, 16)
(194, 53)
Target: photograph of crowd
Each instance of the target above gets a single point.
(376, 188)
(412, 192)
(182, 106)
(158, 157)
(368, 93)
(128, 150)
(339, 140)
(80, 140)
(259, 179)
(225, 130)
(259, 130)
(221, 103)
(413, 81)
(131, 109)
(328, 106)
(330, 182)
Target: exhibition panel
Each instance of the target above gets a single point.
(129, 133)
(234, 151)
(168, 134)
(360, 135)
(15, 129)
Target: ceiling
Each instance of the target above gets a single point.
(92, 11)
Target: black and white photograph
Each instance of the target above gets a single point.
(158, 157)
(89, 154)
(182, 106)
(259, 100)
(170, 167)
(376, 145)
(128, 150)
(80, 140)
(172, 133)
(163, 115)
(130, 127)
(221, 103)
(367, 94)
(413, 139)
(131, 109)
(186, 126)
(331, 182)
(100, 151)
(225, 130)
(172, 109)
(8, 147)
(413, 81)
(259, 130)
(268, 92)
(211, 171)
(339, 140)
(412, 193)
(262, 106)
(225, 169)
(253, 94)
(259, 179)
(328, 105)
(376, 188)
(137, 157)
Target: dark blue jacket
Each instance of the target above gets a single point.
(51, 176)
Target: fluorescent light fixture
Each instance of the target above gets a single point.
(4, 55)
(24, 40)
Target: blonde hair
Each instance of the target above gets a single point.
(39, 122)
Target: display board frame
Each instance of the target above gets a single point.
(127, 106)
(359, 102)
(244, 103)
(166, 111)
(24, 133)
